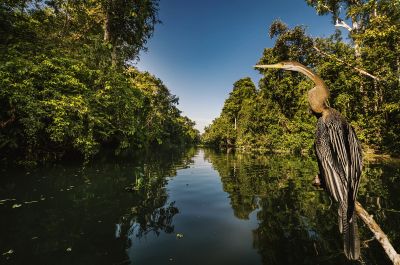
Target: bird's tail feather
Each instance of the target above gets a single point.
(351, 238)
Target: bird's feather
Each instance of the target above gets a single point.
(340, 158)
(340, 161)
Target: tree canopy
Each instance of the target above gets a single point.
(67, 85)
(361, 71)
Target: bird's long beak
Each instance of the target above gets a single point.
(277, 65)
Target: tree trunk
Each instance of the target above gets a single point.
(357, 53)
(106, 28)
(398, 66)
(108, 38)
(114, 56)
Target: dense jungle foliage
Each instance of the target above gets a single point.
(67, 85)
(362, 71)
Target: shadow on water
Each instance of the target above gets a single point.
(133, 211)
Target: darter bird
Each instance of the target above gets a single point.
(339, 156)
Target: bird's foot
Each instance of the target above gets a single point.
(317, 182)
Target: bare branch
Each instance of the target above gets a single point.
(343, 24)
(374, 227)
(339, 22)
(379, 234)
(361, 71)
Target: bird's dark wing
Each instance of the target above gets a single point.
(356, 161)
(333, 152)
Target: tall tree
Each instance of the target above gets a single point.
(58, 93)
(128, 24)
(373, 28)
(243, 89)
(275, 119)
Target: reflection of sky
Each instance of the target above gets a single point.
(203, 47)
(205, 219)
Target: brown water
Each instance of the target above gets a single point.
(188, 207)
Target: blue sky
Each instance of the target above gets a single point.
(203, 47)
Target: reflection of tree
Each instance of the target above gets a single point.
(294, 226)
(80, 207)
(238, 182)
(159, 220)
(298, 224)
(380, 196)
(150, 212)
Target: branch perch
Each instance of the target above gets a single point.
(379, 234)
(373, 226)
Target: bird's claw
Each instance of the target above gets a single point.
(317, 182)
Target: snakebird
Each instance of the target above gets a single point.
(339, 156)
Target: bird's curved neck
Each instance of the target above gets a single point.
(310, 74)
(317, 96)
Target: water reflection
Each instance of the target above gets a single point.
(86, 215)
(297, 223)
(187, 207)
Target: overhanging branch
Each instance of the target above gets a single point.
(330, 56)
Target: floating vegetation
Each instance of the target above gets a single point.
(29, 202)
(10, 252)
(17, 205)
(6, 200)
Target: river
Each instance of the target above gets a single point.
(194, 206)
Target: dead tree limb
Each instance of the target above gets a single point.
(343, 24)
(373, 226)
(361, 71)
(378, 233)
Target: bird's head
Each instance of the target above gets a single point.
(317, 97)
(291, 66)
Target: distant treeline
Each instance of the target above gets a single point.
(362, 72)
(66, 86)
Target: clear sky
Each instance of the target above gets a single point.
(203, 46)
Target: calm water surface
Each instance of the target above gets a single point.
(188, 207)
